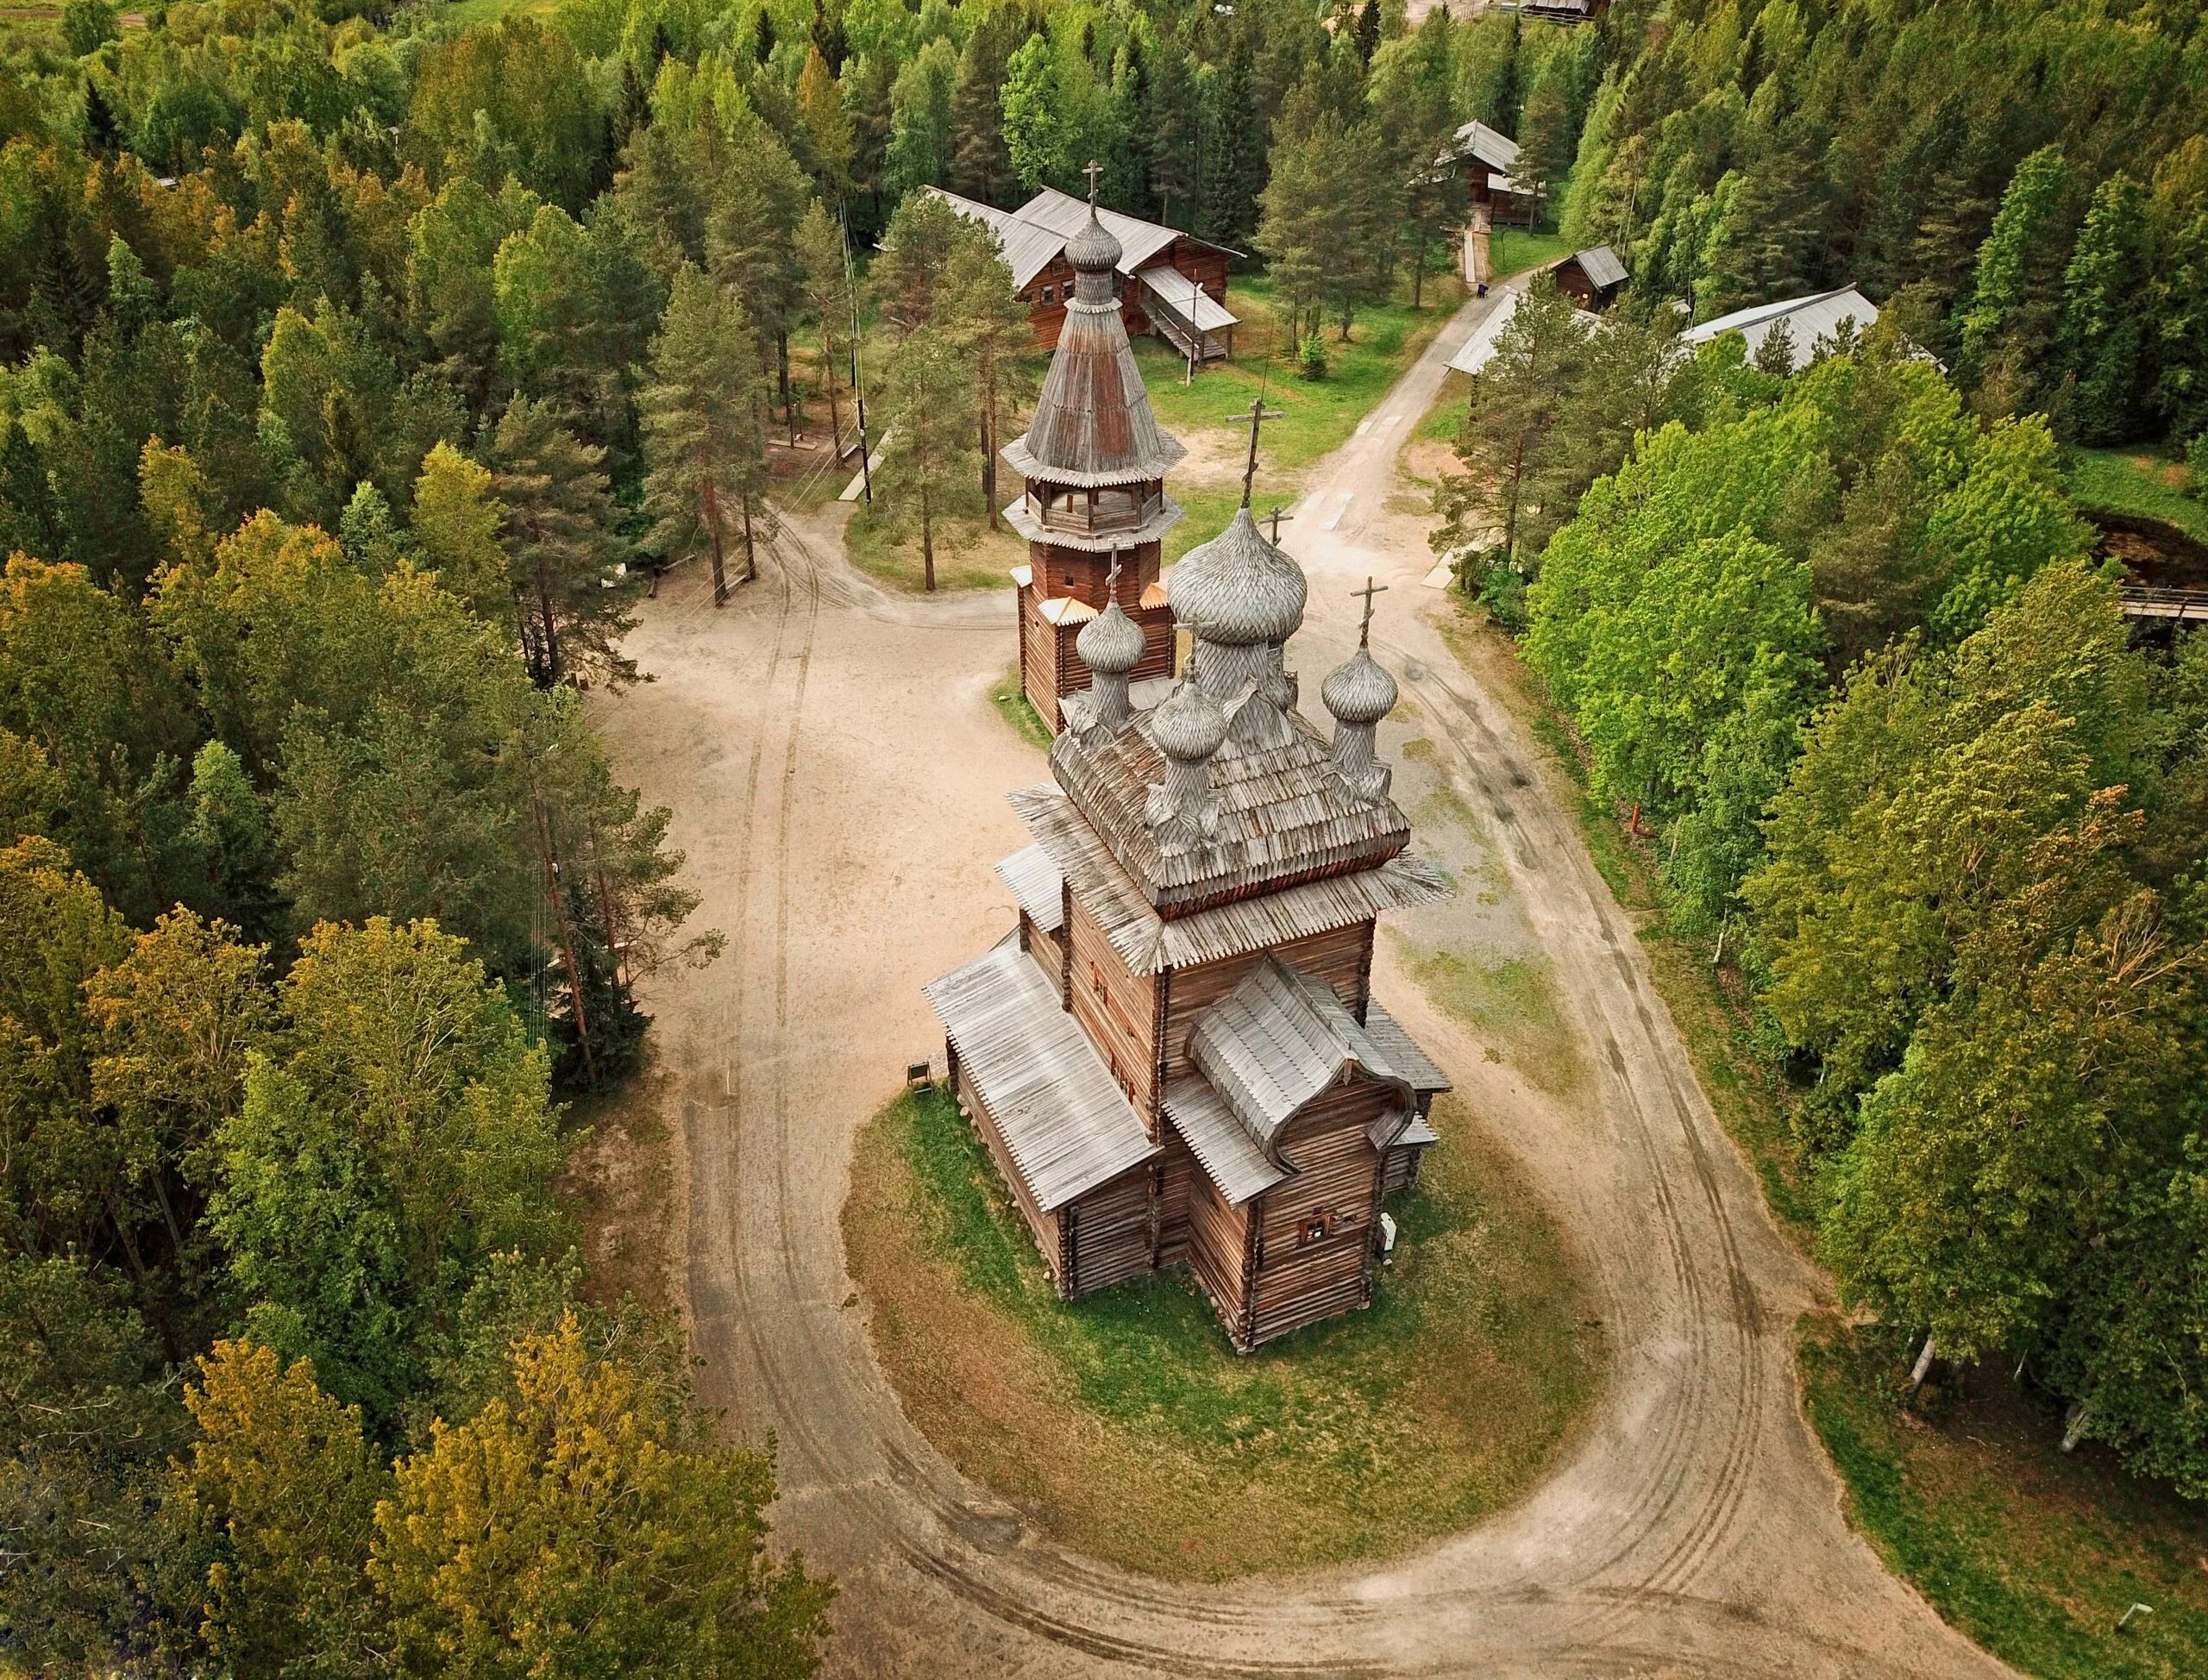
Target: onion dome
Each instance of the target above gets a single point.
(1093, 250)
(1111, 644)
(1237, 589)
(1188, 725)
(1359, 690)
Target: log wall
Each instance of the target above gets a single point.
(1218, 1253)
(1047, 949)
(1115, 1008)
(1301, 1279)
(1043, 1227)
(1108, 1232)
(1343, 959)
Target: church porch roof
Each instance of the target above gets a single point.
(1066, 1123)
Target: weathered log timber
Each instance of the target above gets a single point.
(1177, 1059)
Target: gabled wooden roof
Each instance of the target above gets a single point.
(1065, 1122)
(1278, 1040)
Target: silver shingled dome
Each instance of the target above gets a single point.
(1188, 726)
(1358, 691)
(1111, 642)
(1238, 589)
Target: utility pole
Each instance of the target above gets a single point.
(858, 385)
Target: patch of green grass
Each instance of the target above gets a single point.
(2137, 482)
(1512, 250)
(1443, 420)
(1018, 714)
(473, 12)
(968, 554)
(1511, 1001)
(2035, 1555)
(1124, 1423)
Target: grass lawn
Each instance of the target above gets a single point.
(1018, 714)
(1316, 415)
(2034, 1555)
(2138, 482)
(1514, 250)
(1125, 1425)
(968, 554)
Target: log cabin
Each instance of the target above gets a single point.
(1171, 284)
(1174, 1057)
(1094, 508)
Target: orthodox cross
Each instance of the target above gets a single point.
(1112, 575)
(1257, 416)
(1364, 630)
(1274, 515)
(1093, 170)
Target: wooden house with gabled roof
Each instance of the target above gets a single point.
(1175, 1058)
(1094, 510)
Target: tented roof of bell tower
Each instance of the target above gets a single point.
(1093, 426)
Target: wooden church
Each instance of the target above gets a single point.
(1175, 1058)
(1095, 462)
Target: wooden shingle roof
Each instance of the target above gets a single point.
(1149, 944)
(1280, 822)
(1066, 1123)
(1037, 882)
(1228, 1155)
(1277, 1040)
(1092, 424)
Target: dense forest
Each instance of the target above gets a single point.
(357, 373)
(1838, 644)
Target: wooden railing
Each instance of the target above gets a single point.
(1112, 510)
(2184, 605)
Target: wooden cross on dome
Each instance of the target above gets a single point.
(1254, 419)
(1364, 630)
(1274, 515)
(1092, 169)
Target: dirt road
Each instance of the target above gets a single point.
(836, 771)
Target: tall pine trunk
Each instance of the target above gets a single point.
(990, 450)
(713, 531)
(927, 537)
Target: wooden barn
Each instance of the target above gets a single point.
(1592, 279)
(1171, 284)
(1175, 1058)
(1095, 508)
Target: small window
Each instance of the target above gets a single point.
(1097, 978)
(1049, 295)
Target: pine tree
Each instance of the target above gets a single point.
(827, 297)
(563, 554)
(825, 129)
(985, 319)
(928, 398)
(981, 166)
(1235, 163)
(2102, 335)
(2008, 330)
(705, 447)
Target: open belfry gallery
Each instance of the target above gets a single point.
(1176, 1057)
